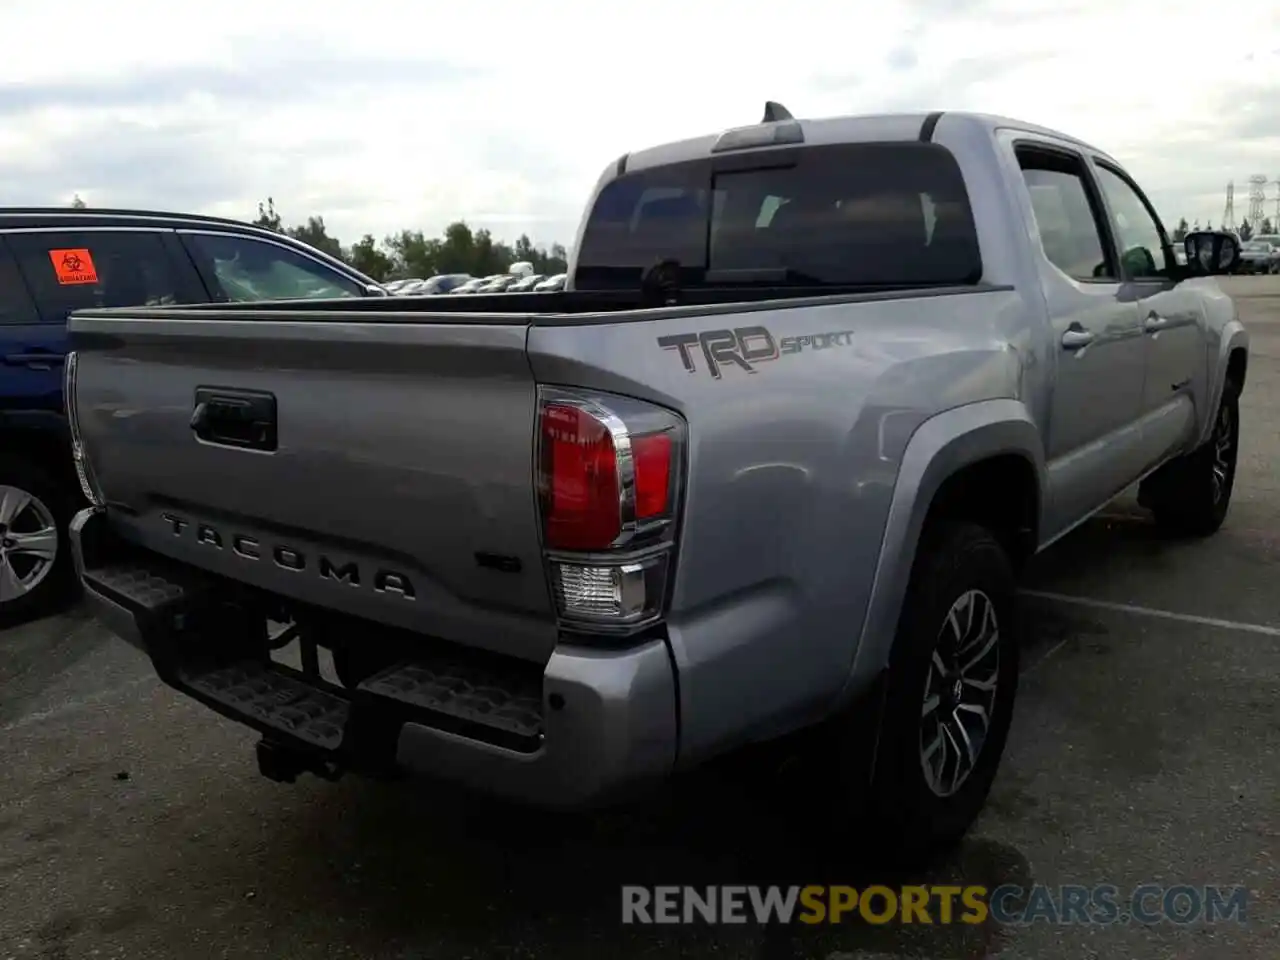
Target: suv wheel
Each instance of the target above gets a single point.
(952, 680)
(1191, 495)
(35, 559)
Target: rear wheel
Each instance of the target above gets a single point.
(35, 557)
(952, 681)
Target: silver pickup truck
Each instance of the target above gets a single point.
(769, 465)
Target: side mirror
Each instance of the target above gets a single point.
(375, 290)
(1211, 252)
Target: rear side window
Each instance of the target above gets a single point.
(1067, 214)
(16, 305)
(241, 269)
(862, 215)
(76, 270)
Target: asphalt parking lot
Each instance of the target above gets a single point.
(1146, 749)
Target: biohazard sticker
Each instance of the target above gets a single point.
(73, 267)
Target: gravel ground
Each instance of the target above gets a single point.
(1146, 749)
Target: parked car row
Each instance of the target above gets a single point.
(512, 283)
(416, 287)
(463, 283)
(1260, 255)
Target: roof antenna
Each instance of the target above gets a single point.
(773, 112)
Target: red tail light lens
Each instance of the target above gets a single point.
(581, 494)
(593, 498)
(609, 485)
(652, 458)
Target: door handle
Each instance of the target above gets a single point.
(1154, 322)
(38, 360)
(1076, 338)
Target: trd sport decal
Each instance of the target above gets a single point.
(746, 347)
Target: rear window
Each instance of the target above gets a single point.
(865, 215)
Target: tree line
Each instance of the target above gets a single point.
(411, 253)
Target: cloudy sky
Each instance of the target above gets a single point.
(384, 114)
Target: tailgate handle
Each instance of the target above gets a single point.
(235, 418)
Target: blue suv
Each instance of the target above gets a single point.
(55, 261)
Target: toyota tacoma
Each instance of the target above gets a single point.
(770, 464)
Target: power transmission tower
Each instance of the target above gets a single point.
(1257, 199)
(1276, 223)
(1229, 214)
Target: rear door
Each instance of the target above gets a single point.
(240, 268)
(66, 270)
(1094, 443)
(30, 352)
(76, 269)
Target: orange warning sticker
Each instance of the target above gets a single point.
(73, 266)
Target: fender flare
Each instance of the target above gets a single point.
(939, 447)
(1234, 336)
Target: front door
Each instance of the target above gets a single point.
(1177, 366)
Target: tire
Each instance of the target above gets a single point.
(31, 501)
(1191, 495)
(910, 814)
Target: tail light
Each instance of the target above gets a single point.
(84, 472)
(609, 483)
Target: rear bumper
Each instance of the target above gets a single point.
(591, 726)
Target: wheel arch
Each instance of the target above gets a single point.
(971, 462)
(1231, 363)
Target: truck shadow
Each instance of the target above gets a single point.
(424, 868)
(403, 871)
(428, 867)
(1105, 547)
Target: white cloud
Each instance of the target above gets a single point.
(389, 114)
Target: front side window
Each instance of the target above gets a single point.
(862, 215)
(1141, 241)
(76, 270)
(241, 269)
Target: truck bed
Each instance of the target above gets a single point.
(399, 486)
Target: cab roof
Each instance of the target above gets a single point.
(862, 128)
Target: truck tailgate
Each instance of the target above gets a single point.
(399, 485)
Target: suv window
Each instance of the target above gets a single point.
(1141, 239)
(242, 269)
(863, 215)
(72, 270)
(16, 305)
(1066, 213)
